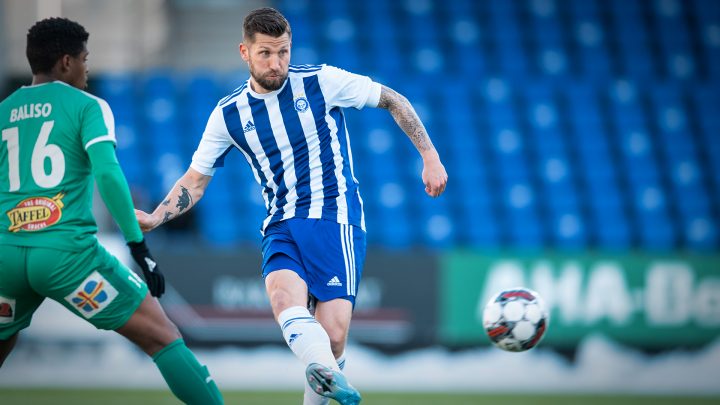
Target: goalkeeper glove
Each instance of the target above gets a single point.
(153, 277)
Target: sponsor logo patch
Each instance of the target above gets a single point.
(7, 309)
(36, 213)
(92, 296)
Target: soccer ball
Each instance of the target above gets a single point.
(516, 319)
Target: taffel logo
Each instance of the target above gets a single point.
(36, 213)
(301, 104)
(248, 127)
(334, 282)
(7, 310)
(92, 296)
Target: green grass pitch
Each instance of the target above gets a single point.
(154, 397)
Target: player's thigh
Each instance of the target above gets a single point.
(333, 255)
(280, 252)
(18, 301)
(283, 270)
(91, 283)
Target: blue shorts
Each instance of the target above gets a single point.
(327, 255)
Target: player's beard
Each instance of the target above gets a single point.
(270, 83)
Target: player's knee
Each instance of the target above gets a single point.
(338, 337)
(158, 339)
(171, 332)
(280, 300)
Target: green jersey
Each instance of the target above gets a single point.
(46, 185)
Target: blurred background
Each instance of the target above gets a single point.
(582, 143)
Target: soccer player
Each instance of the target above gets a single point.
(289, 124)
(56, 139)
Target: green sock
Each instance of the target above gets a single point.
(189, 380)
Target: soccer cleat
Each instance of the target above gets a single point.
(331, 384)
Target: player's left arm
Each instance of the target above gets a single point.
(434, 175)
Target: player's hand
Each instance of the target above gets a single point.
(147, 221)
(434, 176)
(153, 277)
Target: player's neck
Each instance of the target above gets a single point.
(257, 88)
(42, 78)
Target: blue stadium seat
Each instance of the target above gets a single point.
(655, 226)
(568, 230)
(586, 10)
(218, 224)
(546, 30)
(611, 229)
(394, 229)
(119, 91)
(604, 195)
(657, 233)
(525, 231)
(473, 204)
(522, 222)
(700, 233)
(692, 201)
(595, 61)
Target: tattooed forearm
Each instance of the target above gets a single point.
(406, 118)
(167, 217)
(184, 199)
(186, 192)
(184, 202)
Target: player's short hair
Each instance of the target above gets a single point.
(267, 21)
(51, 39)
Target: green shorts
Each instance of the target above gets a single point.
(92, 284)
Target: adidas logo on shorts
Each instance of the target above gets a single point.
(334, 282)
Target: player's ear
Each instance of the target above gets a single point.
(244, 52)
(64, 63)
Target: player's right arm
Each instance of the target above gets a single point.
(188, 190)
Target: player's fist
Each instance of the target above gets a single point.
(147, 221)
(153, 277)
(434, 177)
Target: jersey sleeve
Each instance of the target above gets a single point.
(216, 142)
(114, 189)
(345, 89)
(98, 123)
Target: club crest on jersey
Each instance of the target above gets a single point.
(301, 104)
(7, 309)
(92, 296)
(36, 213)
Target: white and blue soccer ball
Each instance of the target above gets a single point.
(516, 319)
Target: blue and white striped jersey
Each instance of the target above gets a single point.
(296, 142)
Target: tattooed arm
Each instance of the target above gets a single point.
(188, 190)
(434, 175)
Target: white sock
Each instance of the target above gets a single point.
(311, 397)
(306, 337)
